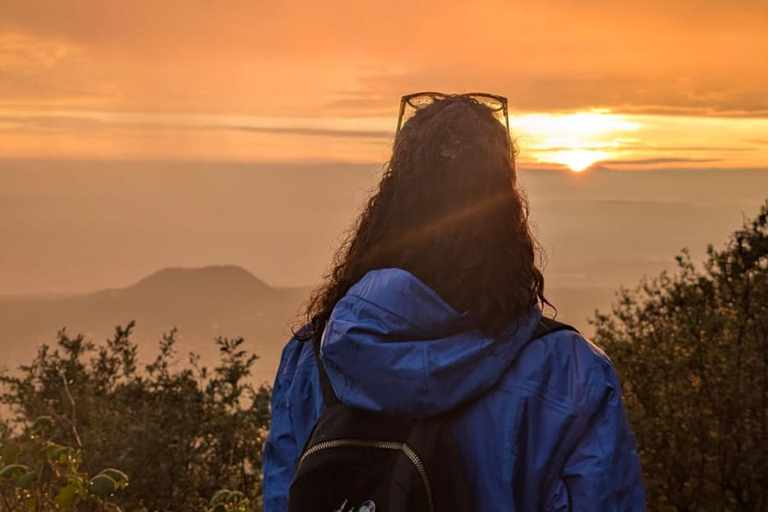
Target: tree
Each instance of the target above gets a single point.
(179, 433)
(692, 353)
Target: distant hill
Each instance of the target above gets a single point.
(202, 302)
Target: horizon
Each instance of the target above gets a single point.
(235, 204)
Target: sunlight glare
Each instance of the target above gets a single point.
(577, 160)
(574, 140)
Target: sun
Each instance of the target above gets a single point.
(578, 160)
(576, 141)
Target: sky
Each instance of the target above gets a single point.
(149, 133)
(633, 84)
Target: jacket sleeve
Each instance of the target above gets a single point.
(602, 471)
(280, 450)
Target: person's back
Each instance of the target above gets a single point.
(432, 307)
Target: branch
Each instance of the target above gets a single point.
(73, 421)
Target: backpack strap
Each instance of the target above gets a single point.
(329, 396)
(548, 325)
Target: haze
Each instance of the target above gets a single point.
(84, 226)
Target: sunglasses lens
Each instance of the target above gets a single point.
(489, 101)
(421, 101)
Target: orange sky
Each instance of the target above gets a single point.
(626, 84)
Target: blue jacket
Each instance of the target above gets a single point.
(546, 430)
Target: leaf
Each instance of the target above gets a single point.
(27, 480)
(13, 471)
(120, 478)
(76, 480)
(235, 497)
(221, 496)
(62, 455)
(102, 485)
(41, 425)
(48, 449)
(66, 496)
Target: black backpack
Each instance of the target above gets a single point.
(362, 461)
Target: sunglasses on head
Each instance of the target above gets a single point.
(411, 103)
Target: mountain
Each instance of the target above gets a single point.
(202, 303)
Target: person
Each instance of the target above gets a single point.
(432, 304)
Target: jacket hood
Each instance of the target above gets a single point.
(393, 345)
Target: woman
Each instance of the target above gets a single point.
(432, 305)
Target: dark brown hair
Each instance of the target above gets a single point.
(449, 211)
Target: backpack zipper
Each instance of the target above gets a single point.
(384, 445)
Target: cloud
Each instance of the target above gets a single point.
(592, 85)
(303, 62)
(48, 123)
(730, 108)
(645, 148)
(20, 51)
(314, 58)
(655, 161)
(37, 71)
(115, 122)
(322, 132)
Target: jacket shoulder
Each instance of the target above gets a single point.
(297, 355)
(565, 366)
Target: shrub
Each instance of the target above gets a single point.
(180, 431)
(38, 474)
(692, 353)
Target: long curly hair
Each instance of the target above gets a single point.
(448, 210)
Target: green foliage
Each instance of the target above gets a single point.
(692, 352)
(230, 501)
(38, 474)
(181, 432)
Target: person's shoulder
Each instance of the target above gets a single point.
(576, 348)
(567, 364)
(297, 355)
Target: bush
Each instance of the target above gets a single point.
(692, 352)
(180, 433)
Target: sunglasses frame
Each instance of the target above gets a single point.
(436, 96)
